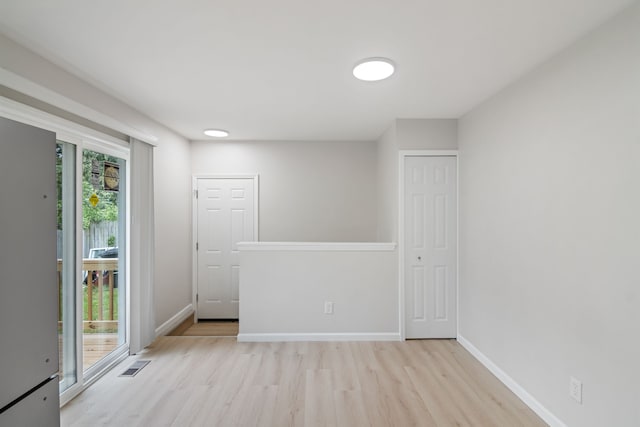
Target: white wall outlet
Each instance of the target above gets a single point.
(575, 389)
(328, 307)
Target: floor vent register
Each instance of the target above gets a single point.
(135, 368)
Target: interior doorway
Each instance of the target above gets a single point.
(225, 213)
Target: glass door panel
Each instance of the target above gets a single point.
(66, 254)
(104, 238)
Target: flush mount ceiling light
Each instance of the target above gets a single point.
(373, 69)
(216, 133)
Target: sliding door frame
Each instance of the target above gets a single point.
(83, 138)
(102, 366)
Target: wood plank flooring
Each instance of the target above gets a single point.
(206, 381)
(213, 328)
(182, 327)
(207, 328)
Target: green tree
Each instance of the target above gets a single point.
(59, 182)
(107, 207)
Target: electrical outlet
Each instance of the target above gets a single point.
(575, 389)
(328, 307)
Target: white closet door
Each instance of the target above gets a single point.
(225, 217)
(430, 206)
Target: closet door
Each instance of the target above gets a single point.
(430, 261)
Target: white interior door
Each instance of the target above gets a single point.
(430, 248)
(225, 216)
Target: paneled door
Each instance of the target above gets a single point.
(430, 246)
(226, 214)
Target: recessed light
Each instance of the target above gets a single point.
(216, 133)
(373, 69)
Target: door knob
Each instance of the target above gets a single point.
(419, 258)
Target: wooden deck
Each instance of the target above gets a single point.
(95, 347)
(100, 302)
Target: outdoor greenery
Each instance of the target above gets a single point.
(105, 210)
(59, 183)
(105, 303)
(105, 308)
(107, 207)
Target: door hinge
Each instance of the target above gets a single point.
(195, 193)
(197, 297)
(197, 246)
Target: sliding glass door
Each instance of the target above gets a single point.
(103, 261)
(92, 262)
(66, 253)
(92, 225)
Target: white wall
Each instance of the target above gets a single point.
(405, 134)
(550, 230)
(24, 71)
(173, 290)
(309, 191)
(283, 292)
(427, 134)
(387, 186)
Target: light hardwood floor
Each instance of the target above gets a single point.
(212, 329)
(208, 328)
(206, 381)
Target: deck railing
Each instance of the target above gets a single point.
(100, 278)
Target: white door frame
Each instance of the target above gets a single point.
(194, 222)
(402, 155)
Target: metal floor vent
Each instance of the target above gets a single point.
(135, 368)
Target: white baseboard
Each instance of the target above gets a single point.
(367, 336)
(527, 398)
(172, 323)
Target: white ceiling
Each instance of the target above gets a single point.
(281, 69)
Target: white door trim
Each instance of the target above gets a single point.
(402, 155)
(194, 222)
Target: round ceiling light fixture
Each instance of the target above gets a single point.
(373, 69)
(216, 133)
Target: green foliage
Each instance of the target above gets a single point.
(105, 210)
(105, 305)
(111, 241)
(59, 183)
(107, 207)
